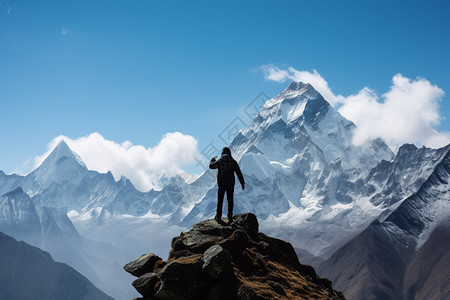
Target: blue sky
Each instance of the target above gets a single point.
(137, 70)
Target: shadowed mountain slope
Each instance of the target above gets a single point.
(27, 272)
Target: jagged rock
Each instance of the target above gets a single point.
(249, 223)
(181, 253)
(145, 284)
(216, 261)
(182, 279)
(182, 268)
(141, 265)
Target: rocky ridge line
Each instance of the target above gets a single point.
(220, 261)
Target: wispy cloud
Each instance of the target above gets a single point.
(272, 72)
(408, 113)
(7, 8)
(65, 31)
(145, 167)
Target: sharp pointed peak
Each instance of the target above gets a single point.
(299, 92)
(124, 179)
(62, 144)
(409, 145)
(298, 85)
(62, 150)
(300, 88)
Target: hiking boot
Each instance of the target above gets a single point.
(218, 219)
(230, 219)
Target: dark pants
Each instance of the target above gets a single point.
(221, 193)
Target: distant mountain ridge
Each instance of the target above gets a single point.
(19, 218)
(27, 272)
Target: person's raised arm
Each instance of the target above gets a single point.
(213, 164)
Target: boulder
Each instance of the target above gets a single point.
(142, 265)
(217, 263)
(184, 268)
(175, 290)
(182, 278)
(145, 284)
(248, 222)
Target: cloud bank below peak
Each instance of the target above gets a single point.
(407, 113)
(145, 167)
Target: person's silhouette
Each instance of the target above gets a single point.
(226, 166)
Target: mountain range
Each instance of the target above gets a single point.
(407, 248)
(51, 230)
(349, 210)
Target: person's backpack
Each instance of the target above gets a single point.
(226, 172)
(228, 169)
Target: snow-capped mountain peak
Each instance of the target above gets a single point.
(298, 85)
(295, 89)
(62, 164)
(62, 151)
(300, 119)
(298, 99)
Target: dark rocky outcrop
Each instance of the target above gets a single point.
(219, 261)
(142, 265)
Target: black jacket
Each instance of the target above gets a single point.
(227, 167)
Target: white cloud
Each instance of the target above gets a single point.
(143, 166)
(407, 113)
(65, 31)
(272, 72)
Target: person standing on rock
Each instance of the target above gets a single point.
(226, 166)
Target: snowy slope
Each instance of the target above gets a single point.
(418, 215)
(19, 218)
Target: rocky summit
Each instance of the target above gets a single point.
(228, 261)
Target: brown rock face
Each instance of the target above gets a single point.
(216, 261)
